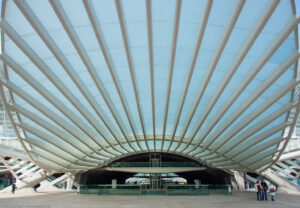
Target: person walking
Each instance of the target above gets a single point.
(36, 186)
(272, 191)
(13, 188)
(258, 190)
(264, 190)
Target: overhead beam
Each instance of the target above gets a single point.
(151, 63)
(192, 64)
(257, 149)
(228, 159)
(47, 165)
(260, 156)
(51, 140)
(11, 120)
(255, 95)
(100, 38)
(249, 118)
(47, 148)
(49, 157)
(171, 67)
(57, 7)
(236, 140)
(250, 75)
(244, 145)
(49, 113)
(61, 58)
(33, 56)
(68, 141)
(252, 160)
(254, 114)
(61, 155)
(260, 163)
(245, 142)
(48, 96)
(296, 116)
(209, 72)
(238, 60)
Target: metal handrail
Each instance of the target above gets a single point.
(162, 164)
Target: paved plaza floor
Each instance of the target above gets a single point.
(74, 200)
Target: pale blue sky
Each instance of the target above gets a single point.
(297, 2)
(298, 12)
(297, 6)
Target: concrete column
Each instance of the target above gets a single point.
(239, 179)
(70, 182)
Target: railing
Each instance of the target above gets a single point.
(187, 189)
(294, 144)
(52, 178)
(147, 164)
(11, 142)
(174, 189)
(123, 189)
(133, 189)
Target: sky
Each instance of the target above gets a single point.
(297, 6)
(297, 2)
(298, 13)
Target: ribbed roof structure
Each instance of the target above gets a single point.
(96, 80)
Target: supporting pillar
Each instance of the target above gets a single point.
(70, 182)
(239, 179)
(283, 185)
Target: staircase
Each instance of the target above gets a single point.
(52, 178)
(289, 170)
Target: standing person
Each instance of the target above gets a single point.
(13, 188)
(264, 190)
(258, 190)
(272, 191)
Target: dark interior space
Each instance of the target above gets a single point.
(102, 176)
(209, 176)
(254, 175)
(165, 157)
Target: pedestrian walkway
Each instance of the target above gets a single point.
(74, 200)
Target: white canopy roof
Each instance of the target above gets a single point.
(96, 80)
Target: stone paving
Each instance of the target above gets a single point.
(74, 200)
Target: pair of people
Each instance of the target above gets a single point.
(262, 189)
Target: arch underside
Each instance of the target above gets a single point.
(95, 81)
(126, 167)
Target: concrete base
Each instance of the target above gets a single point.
(25, 190)
(284, 190)
(283, 185)
(63, 199)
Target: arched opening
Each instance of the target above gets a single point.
(121, 170)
